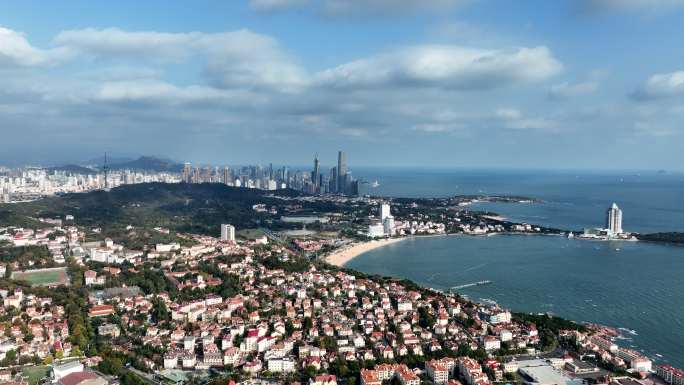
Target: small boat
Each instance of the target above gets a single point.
(375, 184)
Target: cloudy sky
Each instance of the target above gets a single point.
(446, 83)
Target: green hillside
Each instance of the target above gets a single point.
(197, 208)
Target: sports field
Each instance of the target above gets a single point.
(43, 277)
(35, 373)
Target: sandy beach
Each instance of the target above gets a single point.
(344, 255)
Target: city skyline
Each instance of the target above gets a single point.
(446, 83)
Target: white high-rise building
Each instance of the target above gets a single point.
(388, 225)
(614, 220)
(227, 233)
(384, 211)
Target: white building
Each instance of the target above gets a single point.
(388, 225)
(614, 220)
(376, 230)
(281, 365)
(60, 371)
(227, 233)
(384, 211)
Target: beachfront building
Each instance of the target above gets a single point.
(384, 211)
(614, 220)
(376, 230)
(613, 228)
(671, 375)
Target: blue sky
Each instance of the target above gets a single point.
(448, 83)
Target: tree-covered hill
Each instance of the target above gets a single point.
(148, 163)
(672, 237)
(197, 208)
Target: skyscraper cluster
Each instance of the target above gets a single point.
(338, 181)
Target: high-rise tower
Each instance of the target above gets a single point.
(186, 172)
(315, 175)
(105, 168)
(384, 211)
(227, 233)
(332, 183)
(614, 220)
(226, 175)
(341, 172)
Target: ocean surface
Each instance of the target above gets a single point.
(636, 286)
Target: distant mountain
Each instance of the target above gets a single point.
(73, 169)
(148, 163)
(99, 161)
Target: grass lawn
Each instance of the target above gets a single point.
(249, 233)
(42, 277)
(35, 373)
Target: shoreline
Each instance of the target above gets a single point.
(348, 253)
(344, 255)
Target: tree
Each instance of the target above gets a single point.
(110, 365)
(10, 358)
(159, 311)
(128, 378)
(75, 352)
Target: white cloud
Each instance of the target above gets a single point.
(276, 5)
(661, 86)
(514, 119)
(233, 59)
(154, 91)
(437, 127)
(15, 50)
(508, 113)
(445, 66)
(652, 129)
(564, 90)
(232, 89)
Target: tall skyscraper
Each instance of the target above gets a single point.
(341, 172)
(226, 175)
(227, 233)
(614, 220)
(286, 176)
(384, 211)
(333, 180)
(186, 172)
(315, 175)
(105, 168)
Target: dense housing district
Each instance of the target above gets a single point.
(79, 308)
(148, 284)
